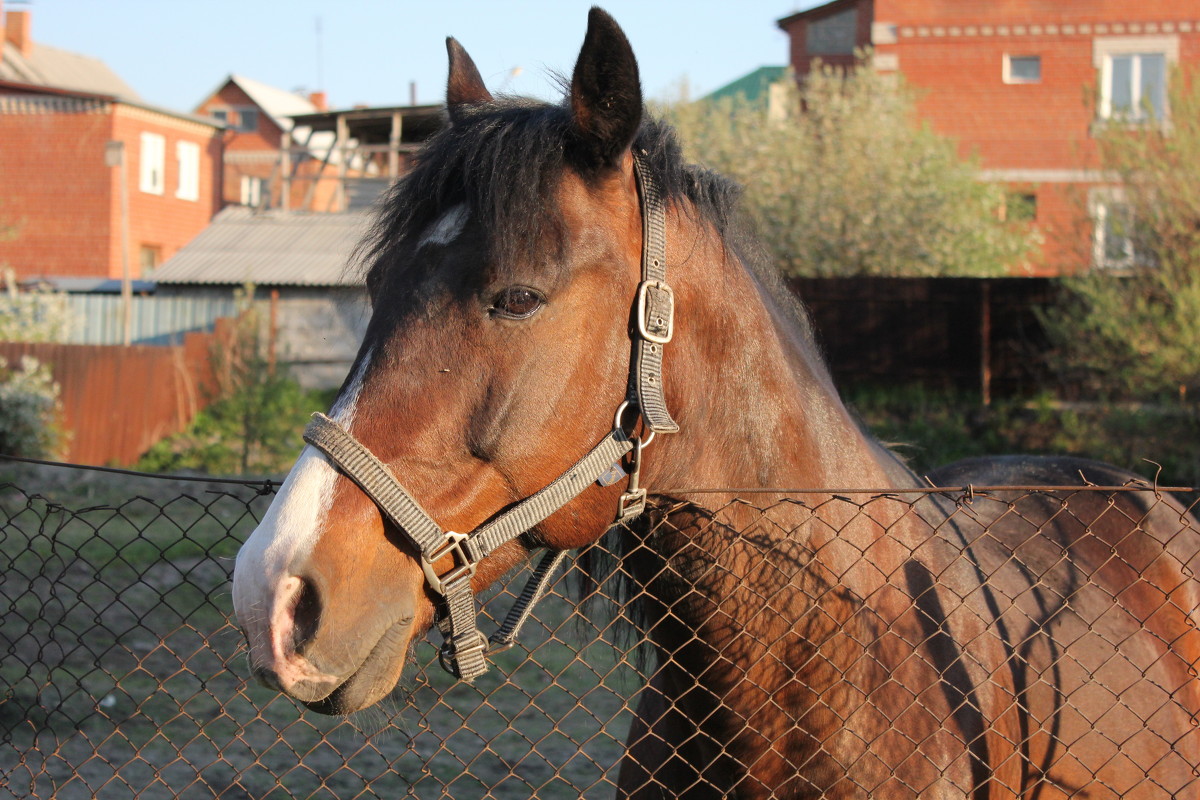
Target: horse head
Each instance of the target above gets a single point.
(510, 299)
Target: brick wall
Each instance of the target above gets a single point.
(164, 222)
(62, 201)
(255, 154)
(56, 188)
(1038, 137)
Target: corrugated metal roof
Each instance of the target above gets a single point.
(61, 69)
(272, 248)
(751, 87)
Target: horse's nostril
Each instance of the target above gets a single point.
(306, 615)
(267, 677)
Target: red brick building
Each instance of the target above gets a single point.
(260, 130)
(1025, 84)
(63, 117)
(289, 152)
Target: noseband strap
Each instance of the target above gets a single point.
(466, 645)
(465, 649)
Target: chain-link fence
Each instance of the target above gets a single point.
(122, 675)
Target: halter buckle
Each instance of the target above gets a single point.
(453, 652)
(632, 504)
(656, 311)
(463, 564)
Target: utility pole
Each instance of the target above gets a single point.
(114, 156)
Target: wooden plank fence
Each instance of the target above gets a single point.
(118, 401)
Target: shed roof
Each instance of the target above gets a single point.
(61, 69)
(751, 87)
(271, 248)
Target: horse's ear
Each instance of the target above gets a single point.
(606, 95)
(465, 86)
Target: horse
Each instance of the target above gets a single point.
(565, 316)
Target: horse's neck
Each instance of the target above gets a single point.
(762, 601)
(756, 405)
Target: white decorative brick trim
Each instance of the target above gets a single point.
(50, 104)
(1066, 29)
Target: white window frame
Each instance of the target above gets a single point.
(187, 154)
(1008, 75)
(1101, 204)
(152, 163)
(1103, 50)
(251, 190)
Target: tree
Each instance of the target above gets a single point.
(1135, 331)
(840, 179)
(35, 316)
(30, 410)
(257, 412)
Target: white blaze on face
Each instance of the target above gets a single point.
(263, 583)
(448, 227)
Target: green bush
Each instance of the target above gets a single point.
(29, 410)
(256, 415)
(930, 429)
(1134, 332)
(40, 315)
(255, 430)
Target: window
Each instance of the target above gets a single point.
(152, 159)
(238, 118)
(833, 35)
(251, 191)
(188, 155)
(1117, 241)
(1114, 237)
(1135, 86)
(247, 119)
(1022, 69)
(1019, 207)
(1133, 76)
(149, 256)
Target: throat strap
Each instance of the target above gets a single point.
(655, 307)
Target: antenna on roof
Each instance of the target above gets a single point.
(508, 78)
(320, 76)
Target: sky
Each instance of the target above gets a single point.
(175, 52)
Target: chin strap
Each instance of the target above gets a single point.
(464, 650)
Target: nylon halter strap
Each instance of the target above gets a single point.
(464, 651)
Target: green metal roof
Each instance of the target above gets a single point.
(751, 87)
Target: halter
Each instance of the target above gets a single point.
(464, 650)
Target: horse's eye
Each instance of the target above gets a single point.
(517, 302)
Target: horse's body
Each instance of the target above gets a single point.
(1017, 646)
(820, 648)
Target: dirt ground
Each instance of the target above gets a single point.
(122, 677)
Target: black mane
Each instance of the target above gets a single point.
(503, 160)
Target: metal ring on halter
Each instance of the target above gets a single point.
(618, 426)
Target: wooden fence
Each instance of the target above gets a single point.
(118, 401)
(971, 334)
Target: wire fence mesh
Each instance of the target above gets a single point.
(123, 676)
